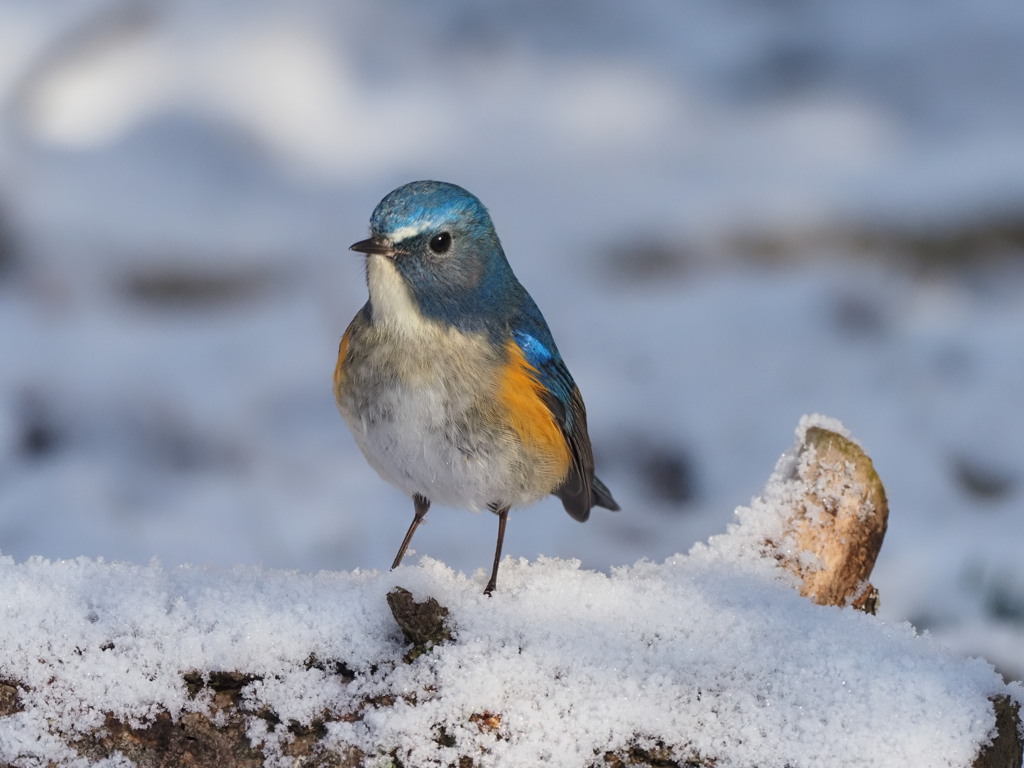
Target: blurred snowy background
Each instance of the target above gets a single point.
(732, 212)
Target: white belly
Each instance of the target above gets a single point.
(414, 440)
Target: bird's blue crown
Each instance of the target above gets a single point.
(425, 205)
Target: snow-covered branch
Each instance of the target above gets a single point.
(710, 658)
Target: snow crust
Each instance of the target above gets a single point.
(709, 651)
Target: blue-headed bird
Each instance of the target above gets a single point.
(448, 377)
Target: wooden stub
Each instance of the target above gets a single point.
(841, 520)
(423, 625)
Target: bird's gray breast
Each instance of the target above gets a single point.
(424, 412)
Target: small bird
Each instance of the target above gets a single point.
(448, 376)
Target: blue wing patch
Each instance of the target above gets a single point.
(553, 374)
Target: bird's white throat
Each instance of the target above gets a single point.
(391, 298)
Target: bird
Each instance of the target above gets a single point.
(448, 377)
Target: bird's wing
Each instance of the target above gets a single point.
(563, 399)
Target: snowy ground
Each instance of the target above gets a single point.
(731, 213)
(712, 654)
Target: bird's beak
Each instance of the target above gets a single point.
(373, 245)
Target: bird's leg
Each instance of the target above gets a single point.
(502, 518)
(420, 504)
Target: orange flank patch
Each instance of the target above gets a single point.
(519, 391)
(339, 373)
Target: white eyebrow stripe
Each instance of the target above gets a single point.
(404, 233)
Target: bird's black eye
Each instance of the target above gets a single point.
(441, 243)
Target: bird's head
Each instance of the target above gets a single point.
(433, 250)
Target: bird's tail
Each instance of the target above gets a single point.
(601, 496)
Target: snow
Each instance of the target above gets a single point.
(716, 654)
(244, 144)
